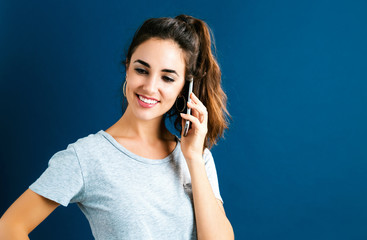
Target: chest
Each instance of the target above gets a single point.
(158, 150)
(143, 200)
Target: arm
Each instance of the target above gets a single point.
(211, 220)
(24, 215)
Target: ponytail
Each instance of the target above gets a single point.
(209, 89)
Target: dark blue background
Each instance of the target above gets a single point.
(293, 164)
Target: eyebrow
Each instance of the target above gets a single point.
(148, 66)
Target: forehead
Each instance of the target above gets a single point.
(159, 53)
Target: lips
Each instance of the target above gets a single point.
(148, 97)
(146, 104)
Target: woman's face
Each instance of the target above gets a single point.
(155, 77)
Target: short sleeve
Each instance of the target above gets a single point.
(62, 181)
(211, 172)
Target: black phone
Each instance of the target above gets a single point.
(187, 123)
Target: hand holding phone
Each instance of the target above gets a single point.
(187, 123)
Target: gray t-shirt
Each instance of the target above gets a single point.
(123, 195)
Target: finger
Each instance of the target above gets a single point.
(197, 114)
(196, 100)
(198, 111)
(197, 107)
(201, 107)
(191, 118)
(195, 123)
(194, 109)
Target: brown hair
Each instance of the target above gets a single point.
(194, 37)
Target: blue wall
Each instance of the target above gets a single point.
(293, 164)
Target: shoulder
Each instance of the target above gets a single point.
(73, 149)
(83, 147)
(88, 142)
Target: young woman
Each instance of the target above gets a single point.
(136, 180)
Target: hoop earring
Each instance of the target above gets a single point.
(124, 88)
(184, 103)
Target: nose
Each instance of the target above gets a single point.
(151, 84)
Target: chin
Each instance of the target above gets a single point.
(147, 116)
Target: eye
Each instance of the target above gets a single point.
(141, 71)
(168, 79)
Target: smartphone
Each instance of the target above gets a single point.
(187, 123)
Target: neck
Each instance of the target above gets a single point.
(149, 131)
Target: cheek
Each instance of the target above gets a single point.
(133, 83)
(174, 95)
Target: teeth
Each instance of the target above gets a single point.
(149, 101)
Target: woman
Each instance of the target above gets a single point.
(136, 180)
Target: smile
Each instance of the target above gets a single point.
(145, 102)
